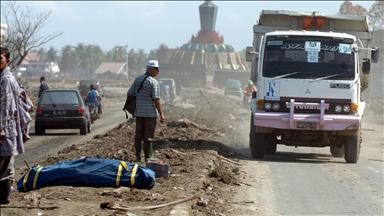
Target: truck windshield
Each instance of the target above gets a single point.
(308, 58)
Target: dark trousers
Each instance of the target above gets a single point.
(145, 128)
(7, 170)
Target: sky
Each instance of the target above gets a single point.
(147, 24)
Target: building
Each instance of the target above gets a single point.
(111, 70)
(32, 66)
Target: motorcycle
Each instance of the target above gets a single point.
(93, 110)
(247, 100)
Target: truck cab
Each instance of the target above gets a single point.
(309, 83)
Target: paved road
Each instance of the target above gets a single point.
(309, 181)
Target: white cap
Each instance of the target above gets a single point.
(153, 63)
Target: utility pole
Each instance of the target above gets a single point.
(126, 51)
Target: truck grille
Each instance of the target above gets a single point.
(331, 110)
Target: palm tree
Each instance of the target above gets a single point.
(67, 61)
(52, 55)
(41, 54)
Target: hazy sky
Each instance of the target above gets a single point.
(147, 24)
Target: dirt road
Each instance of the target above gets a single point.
(303, 181)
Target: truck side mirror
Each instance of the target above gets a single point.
(250, 54)
(375, 54)
(366, 66)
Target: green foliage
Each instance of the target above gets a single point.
(376, 14)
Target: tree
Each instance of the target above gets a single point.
(67, 61)
(132, 61)
(52, 55)
(347, 8)
(41, 54)
(117, 54)
(376, 14)
(23, 31)
(141, 58)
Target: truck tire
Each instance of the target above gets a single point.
(271, 143)
(256, 142)
(352, 147)
(336, 151)
(83, 129)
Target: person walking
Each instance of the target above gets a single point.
(43, 87)
(28, 101)
(148, 108)
(11, 143)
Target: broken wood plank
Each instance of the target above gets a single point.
(209, 101)
(29, 167)
(178, 152)
(228, 160)
(116, 206)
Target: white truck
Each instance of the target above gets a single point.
(310, 69)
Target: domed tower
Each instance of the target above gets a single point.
(205, 58)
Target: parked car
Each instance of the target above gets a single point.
(233, 87)
(83, 87)
(62, 109)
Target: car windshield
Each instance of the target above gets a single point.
(59, 98)
(232, 83)
(308, 58)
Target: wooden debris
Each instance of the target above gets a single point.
(162, 132)
(29, 167)
(178, 152)
(228, 160)
(31, 207)
(116, 206)
(209, 101)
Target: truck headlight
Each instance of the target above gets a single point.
(267, 106)
(276, 106)
(346, 108)
(338, 108)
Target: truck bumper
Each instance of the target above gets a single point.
(295, 121)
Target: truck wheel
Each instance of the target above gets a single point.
(271, 143)
(337, 152)
(83, 129)
(352, 147)
(256, 142)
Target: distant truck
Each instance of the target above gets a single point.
(310, 70)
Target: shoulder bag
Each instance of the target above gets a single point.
(130, 103)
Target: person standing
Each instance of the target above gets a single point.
(11, 143)
(43, 86)
(147, 103)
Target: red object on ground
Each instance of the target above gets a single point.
(160, 169)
